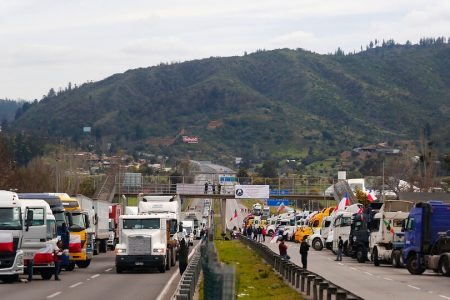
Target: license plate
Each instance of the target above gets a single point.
(28, 255)
(139, 263)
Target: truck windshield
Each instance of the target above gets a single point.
(60, 218)
(141, 224)
(10, 218)
(78, 222)
(187, 229)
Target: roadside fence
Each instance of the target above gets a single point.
(310, 284)
(189, 279)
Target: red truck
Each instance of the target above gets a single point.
(115, 210)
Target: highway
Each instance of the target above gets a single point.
(98, 281)
(368, 281)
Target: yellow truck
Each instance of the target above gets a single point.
(315, 222)
(80, 246)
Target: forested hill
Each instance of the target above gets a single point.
(8, 109)
(284, 103)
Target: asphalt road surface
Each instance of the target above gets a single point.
(98, 281)
(370, 282)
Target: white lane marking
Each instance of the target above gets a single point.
(175, 275)
(445, 297)
(95, 276)
(53, 295)
(107, 270)
(414, 287)
(353, 268)
(340, 264)
(370, 274)
(386, 278)
(76, 284)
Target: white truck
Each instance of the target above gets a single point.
(386, 240)
(256, 209)
(98, 212)
(11, 235)
(39, 237)
(188, 231)
(342, 226)
(143, 242)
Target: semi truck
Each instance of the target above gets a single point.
(11, 235)
(427, 238)
(143, 242)
(39, 237)
(98, 213)
(386, 238)
(341, 227)
(80, 246)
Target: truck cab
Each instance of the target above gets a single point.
(427, 238)
(341, 226)
(143, 242)
(11, 234)
(386, 240)
(40, 236)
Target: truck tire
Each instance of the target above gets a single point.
(103, 247)
(376, 261)
(444, 266)
(361, 255)
(96, 248)
(317, 244)
(70, 266)
(167, 259)
(173, 255)
(162, 268)
(396, 263)
(9, 278)
(413, 265)
(47, 273)
(119, 270)
(82, 264)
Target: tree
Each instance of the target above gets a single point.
(242, 173)
(268, 169)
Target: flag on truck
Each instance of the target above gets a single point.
(234, 216)
(6, 242)
(343, 203)
(371, 196)
(44, 255)
(281, 208)
(388, 226)
(275, 236)
(75, 243)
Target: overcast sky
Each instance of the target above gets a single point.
(46, 44)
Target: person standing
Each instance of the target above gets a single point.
(340, 247)
(263, 233)
(30, 269)
(65, 239)
(213, 188)
(219, 186)
(283, 250)
(206, 187)
(304, 248)
(57, 255)
(183, 256)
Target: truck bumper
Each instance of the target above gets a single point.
(14, 268)
(83, 255)
(136, 261)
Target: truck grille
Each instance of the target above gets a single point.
(7, 260)
(139, 245)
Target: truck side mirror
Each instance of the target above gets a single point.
(86, 220)
(29, 219)
(70, 219)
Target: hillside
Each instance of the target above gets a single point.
(282, 104)
(8, 109)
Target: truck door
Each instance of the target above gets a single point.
(35, 231)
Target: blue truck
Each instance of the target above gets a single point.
(427, 238)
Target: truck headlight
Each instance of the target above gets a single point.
(20, 260)
(158, 250)
(121, 251)
(354, 238)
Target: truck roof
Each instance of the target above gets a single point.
(8, 198)
(53, 200)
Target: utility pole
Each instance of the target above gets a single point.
(382, 187)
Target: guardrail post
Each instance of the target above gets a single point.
(309, 279)
(322, 286)
(341, 295)
(316, 283)
(303, 281)
(331, 290)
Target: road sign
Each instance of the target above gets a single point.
(279, 192)
(277, 202)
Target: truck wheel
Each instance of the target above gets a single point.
(444, 266)
(103, 247)
(70, 266)
(173, 255)
(376, 261)
(361, 255)
(396, 259)
(413, 265)
(96, 248)
(162, 269)
(167, 262)
(317, 244)
(119, 270)
(82, 264)
(9, 278)
(47, 273)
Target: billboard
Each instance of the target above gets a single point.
(251, 191)
(190, 139)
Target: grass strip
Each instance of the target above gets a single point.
(255, 278)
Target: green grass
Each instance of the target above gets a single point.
(255, 278)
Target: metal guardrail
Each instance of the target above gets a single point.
(189, 279)
(309, 283)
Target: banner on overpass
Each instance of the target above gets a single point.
(251, 191)
(278, 202)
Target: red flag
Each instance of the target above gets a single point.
(371, 196)
(75, 243)
(44, 255)
(235, 214)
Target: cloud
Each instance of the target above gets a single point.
(157, 46)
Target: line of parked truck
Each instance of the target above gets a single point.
(399, 233)
(31, 224)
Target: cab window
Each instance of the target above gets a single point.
(38, 216)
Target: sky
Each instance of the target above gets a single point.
(47, 44)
